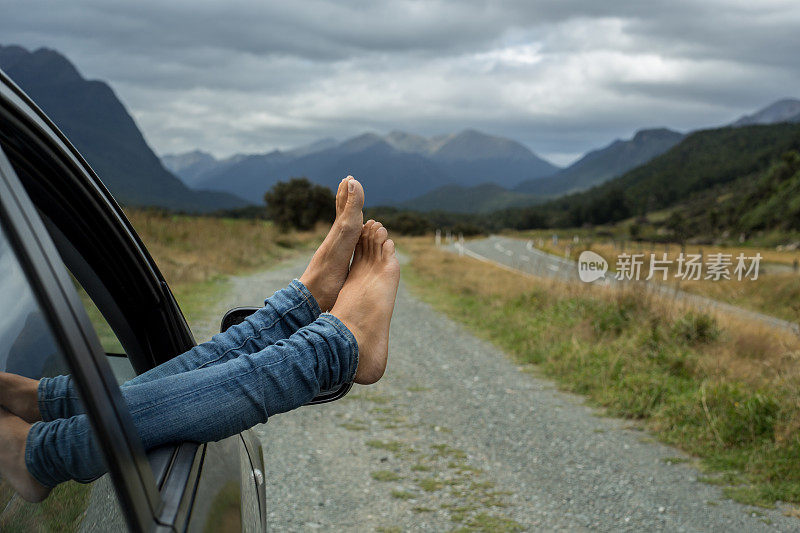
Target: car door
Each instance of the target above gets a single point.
(45, 333)
(125, 302)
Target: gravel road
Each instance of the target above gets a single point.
(457, 434)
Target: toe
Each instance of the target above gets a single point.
(355, 195)
(380, 237)
(341, 196)
(371, 238)
(388, 248)
(365, 237)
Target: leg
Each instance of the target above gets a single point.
(19, 396)
(206, 404)
(217, 401)
(283, 313)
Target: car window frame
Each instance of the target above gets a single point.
(81, 349)
(149, 501)
(76, 183)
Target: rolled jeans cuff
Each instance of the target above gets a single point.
(63, 449)
(313, 305)
(351, 341)
(57, 398)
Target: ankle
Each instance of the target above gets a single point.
(20, 396)
(369, 369)
(314, 284)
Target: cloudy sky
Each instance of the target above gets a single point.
(561, 77)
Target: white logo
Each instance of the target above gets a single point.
(591, 266)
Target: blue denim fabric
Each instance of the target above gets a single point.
(284, 312)
(214, 395)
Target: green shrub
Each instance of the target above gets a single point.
(742, 418)
(616, 318)
(696, 328)
(726, 415)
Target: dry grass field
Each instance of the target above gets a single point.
(190, 249)
(196, 254)
(776, 292)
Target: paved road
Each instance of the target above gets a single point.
(521, 255)
(456, 429)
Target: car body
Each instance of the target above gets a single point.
(91, 285)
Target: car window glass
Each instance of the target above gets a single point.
(28, 348)
(108, 339)
(115, 352)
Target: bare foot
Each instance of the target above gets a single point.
(327, 271)
(13, 434)
(19, 395)
(366, 301)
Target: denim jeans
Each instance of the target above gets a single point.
(276, 360)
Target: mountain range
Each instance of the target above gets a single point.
(96, 122)
(591, 170)
(601, 165)
(715, 164)
(393, 167)
(786, 110)
(483, 198)
(465, 172)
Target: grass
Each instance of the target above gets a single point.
(354, 426)
(430, 484)
(776, 292)
(490, 523)
(197, 254)
(191, 249)
(369, 396)
(686, 376)
(62, 511)
(674, 460)
(391, 446)
(444, 450)
(438, 477)
(386, 475)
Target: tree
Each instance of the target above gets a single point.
(300, 204)
(677, 225)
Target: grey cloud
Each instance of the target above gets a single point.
(249, 76)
